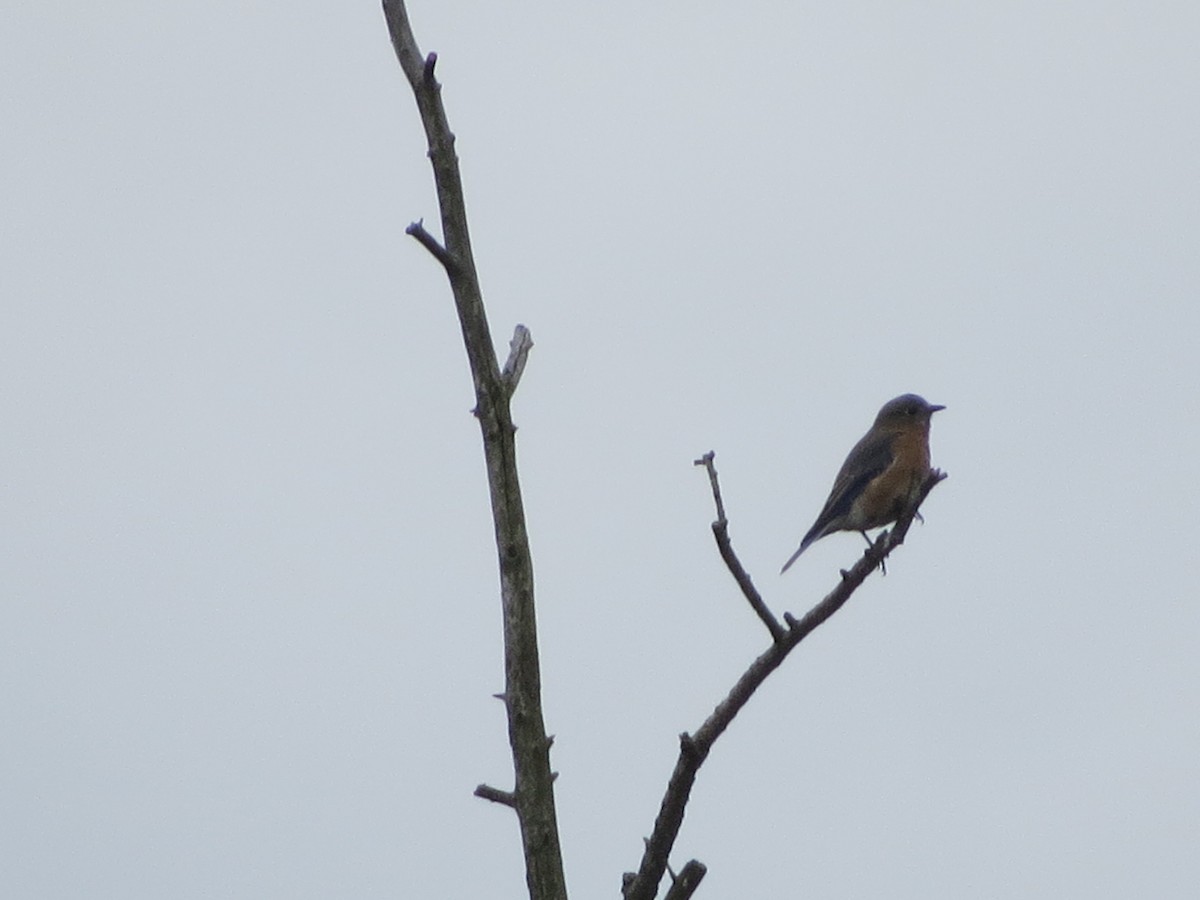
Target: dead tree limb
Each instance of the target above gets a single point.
(694, 748)
(720, 530)
(533, 793)
(685, 883)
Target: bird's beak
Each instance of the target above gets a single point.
(933, 407)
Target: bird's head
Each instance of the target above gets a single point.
(905, 410)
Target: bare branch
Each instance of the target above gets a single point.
(533, 797)
(720, 530)
(430, 243)
(487, 792)
(518, 353)
(694, 749)
(685, 883)
(464, 281)
(707, 461)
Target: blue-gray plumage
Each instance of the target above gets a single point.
(881, 476)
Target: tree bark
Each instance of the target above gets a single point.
(533, 794)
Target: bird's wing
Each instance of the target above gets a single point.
(870, 458)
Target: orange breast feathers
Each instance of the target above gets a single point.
(887, 495)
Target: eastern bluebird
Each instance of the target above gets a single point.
(881, 476)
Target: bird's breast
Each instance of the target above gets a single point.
(895, 488)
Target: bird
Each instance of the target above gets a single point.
(881, 476)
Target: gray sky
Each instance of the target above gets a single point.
(250, 625)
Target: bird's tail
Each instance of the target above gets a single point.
(791, 559)
(817, 531)
(795, 556)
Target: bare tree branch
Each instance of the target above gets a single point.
(518, 352)
(487, 792)
(720, 530)
(430, 243)
(685, 883)
(533, 793)
(694, 749)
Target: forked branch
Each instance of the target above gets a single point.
(694, 748)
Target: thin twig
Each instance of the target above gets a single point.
(707, 461)
(720, 529)
(487, 792)
(518, 353)
(430, 243)
(694, 749)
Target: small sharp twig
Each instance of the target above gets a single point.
(505, 798)
(720, 529)
(518, 353)
(430, 243)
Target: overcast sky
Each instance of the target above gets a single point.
(250, 622)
